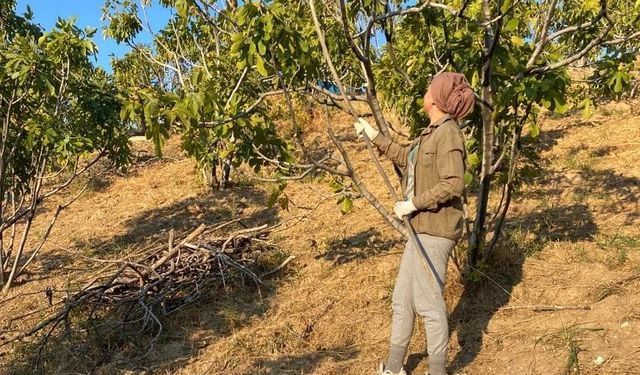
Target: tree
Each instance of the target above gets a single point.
(59, 118)
(516, 53)
(193, 86)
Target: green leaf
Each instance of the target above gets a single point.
(534, 129)
(52, 90)
(273, 197)
(124, 112)
(181, 7)
(151, 112)
(304, 46)
(511, 25)
(618, 83)
(468, 178)
(587, 110)
(560, 106)
(473, 159)
(268, 26)
(262, 49)
(336, 186)
(475, 79)
(241, 15)
(505, 6)
(260, 66)
(346, 205)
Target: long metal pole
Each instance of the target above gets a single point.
(413, 237)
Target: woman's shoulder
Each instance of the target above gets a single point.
(448, 128)
(448, 135)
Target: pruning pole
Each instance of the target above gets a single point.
(413, 237)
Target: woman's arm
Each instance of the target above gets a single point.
(450, 164)
(393, 151)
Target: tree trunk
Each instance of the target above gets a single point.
(226, 172)
(477, 237)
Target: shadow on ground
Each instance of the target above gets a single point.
(482, 298)
(618, 193)
(186, 215)
(301, 364)
(356, 247)
(549, 138)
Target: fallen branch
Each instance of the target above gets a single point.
(281, 266)
(175, 250)
(542, 308)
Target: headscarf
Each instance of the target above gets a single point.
(452, 93)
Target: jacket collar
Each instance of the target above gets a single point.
(429, 129)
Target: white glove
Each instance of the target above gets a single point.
(362, 125)
(404, 208)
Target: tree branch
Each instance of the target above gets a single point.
(543, 33)
(595, 42)
(245, 113)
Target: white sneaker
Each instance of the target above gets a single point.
(382, 371)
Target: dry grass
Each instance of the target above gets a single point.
(573, 235)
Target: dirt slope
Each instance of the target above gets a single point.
(573, 240)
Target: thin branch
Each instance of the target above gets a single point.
(542, 308)
(574, 28)
(322, 90)
(543, 33)
(47, 232)
(410, 10)
(595, 42)
(501, 15)
(599, 40)
(245, 113)
(622, 39)
(464, 6)
(281, 266)
(237, 86)
(336, 104)
(345, 25)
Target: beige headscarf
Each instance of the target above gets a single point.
(452, 93)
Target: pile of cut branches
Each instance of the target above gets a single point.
(161, 279)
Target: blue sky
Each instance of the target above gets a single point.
(88, 13)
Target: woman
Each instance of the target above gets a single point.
(432, 183)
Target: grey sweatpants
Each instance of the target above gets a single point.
(417, 292)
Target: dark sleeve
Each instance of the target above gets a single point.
(393, 151)
(450, 164)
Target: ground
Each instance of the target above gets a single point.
(572, 241)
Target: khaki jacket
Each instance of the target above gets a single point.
(439, 177)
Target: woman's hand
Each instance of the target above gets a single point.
(404, 208)
(363, 126)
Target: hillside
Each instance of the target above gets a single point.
(572, 241)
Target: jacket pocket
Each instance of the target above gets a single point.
(429, 153)
(428, 170)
